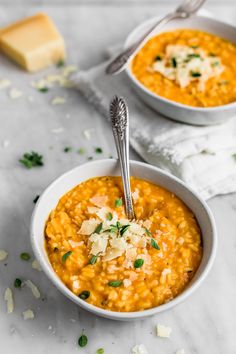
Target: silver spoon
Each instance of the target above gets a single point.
(185, 10)
(120, 126)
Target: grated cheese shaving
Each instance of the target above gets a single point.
(163, 331)
(33, 288)
(36, 265)
(28, 314)
(8, 297)
(88, 227)
(180, 351)
(3, 255)
(139, 349)
(99, 200)
(58, 100)
(15, 93)
(4, 83)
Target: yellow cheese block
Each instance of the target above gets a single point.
(34, 43)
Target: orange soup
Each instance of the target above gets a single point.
(119, 264)
(188, 66)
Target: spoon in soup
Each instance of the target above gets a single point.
(120, 127)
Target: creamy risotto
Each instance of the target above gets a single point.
(119, 264)
(188, 66)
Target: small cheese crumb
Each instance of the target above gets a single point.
(180, 351)
(36, 265)
(15, 93)
(4, 83)
(57, 130)
(33, 288)
(139, 349)
(5, 143)
(87, 133)
(8, 297)
(58, 100)
(163, 331)
(127, 283)
(28, 314)
(3, 255)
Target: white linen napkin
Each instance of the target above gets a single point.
(201, 156)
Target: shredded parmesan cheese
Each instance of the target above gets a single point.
(4, 83)
(139, 349)
(36, 265)
(163, 331)
(3, 255)
(33, 288)
(8, 297)
(15, 93)
(28, 314)
(180, 351)
(58, 100)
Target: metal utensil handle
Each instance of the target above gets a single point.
(120, 128)
(118, 64)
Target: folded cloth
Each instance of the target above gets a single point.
(204, 157)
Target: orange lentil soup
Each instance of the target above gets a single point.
(209, 59)
(115, 263)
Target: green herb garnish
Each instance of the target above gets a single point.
(194, 46)
(65, 256)
(154, 244)
(100, 351)
(90, 158)
(36, 199)
(17, 283)
(84, 295)
(98, 150)
(98, 229)
(138, 263)
(93, 259)
(60, 63)
(147, 232)
(109, 216)
(25, 256)
(43, 89)
(32, 159)
(193, 55)
(83, 340)
(81, 151)
(67, 149)
(234, 156)
(115, 283)
(118, 202)
(158, 58)
(212, 54)
(174, 62)
(195, 74)
(123, 229)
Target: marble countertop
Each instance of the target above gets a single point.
(206, 322)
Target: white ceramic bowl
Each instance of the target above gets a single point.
(59, 187)
(175, 110)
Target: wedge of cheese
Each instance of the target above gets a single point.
(34, 43)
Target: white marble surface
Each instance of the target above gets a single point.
(206, 322)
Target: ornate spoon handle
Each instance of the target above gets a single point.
(120, 127)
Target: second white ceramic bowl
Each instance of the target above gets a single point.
(63, 184)
(175, 110)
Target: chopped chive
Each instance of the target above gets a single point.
(98, 229)
(110, 157)
(123, 229)
(138, 263)
(118, 202)
(195, 74)
(234, 156)
(32, 159)
(43, 89)
(154, 244)
(109, 216)
(60, 63)
(194, 46)
(25, 256)
(98, 150)
(83, 340)
(100, 351)
(193, 55)
(84, 295)
(90, 158)
(93, 259)
(174, 62)
(17, 283)
(158, 58)
(81, 151)
(65, 256)
(67, 149)
(115, 283)
(36, 199)
(147, 232)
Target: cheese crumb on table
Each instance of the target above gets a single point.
(36, 265)
(163, 331)
(139, 349)
(180, 351)
(3, 255)
(58, 100)
(8, 297)
(4, 83)
(33, 288)
(34, 42)
(15, 93)
(28, 314)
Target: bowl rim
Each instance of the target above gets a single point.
(166, 100)
(115, 315)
